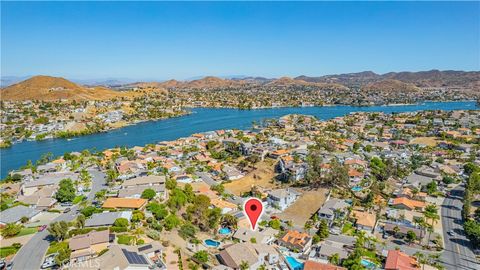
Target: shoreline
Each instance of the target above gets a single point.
(202, 120)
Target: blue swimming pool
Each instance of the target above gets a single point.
(212, 243)
(356, 188)
(224, 231)
(368, 264)
(294, 264)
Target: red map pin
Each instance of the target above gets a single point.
(253, 209)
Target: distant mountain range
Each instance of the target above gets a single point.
(48, 88)
(431, 78)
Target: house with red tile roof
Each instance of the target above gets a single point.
(296, 240)
(397, 260)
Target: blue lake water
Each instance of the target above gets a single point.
(201, 119)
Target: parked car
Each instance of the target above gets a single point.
(49, 261)
(67, 210)
(451, 233)
(65, 204)
(41, 228)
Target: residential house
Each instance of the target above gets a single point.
(282, 198)
(333, 208)
(312, 265)
(122, 257)
(265, 236)
(232, 173)
(296, 240)
(42, 199)
(404, 216)
(406, 203)
(364, 221)
(107, 218)
(124, 203)
(86, 246)
(15, 214)
(254, 255)
(400, 229)
(397, 260)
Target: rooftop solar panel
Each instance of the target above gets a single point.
(133, 257)
(149, 246)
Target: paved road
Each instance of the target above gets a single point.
(457, 254)
(30, 256)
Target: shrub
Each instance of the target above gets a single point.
(121, 222)
(118, 229)
(201, 256)
(124, 239)
(153, 235)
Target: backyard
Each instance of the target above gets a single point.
(305, 206)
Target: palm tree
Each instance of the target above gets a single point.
(334, 259)
(431, 212)
(244, 265)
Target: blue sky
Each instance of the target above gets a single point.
(162, 40)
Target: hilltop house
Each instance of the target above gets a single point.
(282, 198)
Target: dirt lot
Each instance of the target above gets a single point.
(261, 176)
(429, 141)
(305, 206)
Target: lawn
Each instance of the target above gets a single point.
(78, 199)
(25, 231)
(7, 251)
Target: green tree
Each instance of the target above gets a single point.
(171, 221)
(63, 256)
(334, 259)
(411, 237)
(187, 230)
(244, 265)
(431, 213)
(148, 194)
(66, 191)
(274, 224)
(158, 210)
(121, 222)
(323, 230)
(177, 199)
(11, 229)
(137, 216)
(201, 256)
(80, 221)
(58, 229)
(432, 188)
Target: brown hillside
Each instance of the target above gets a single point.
(54, 88)
(391, 86)
(286, 81)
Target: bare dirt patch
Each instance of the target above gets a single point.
(428, 141)
(262, 176)
(305, 206)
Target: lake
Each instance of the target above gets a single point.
(201, 120)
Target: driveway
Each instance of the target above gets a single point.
(458, 253)
(30, 256)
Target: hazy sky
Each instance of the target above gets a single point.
(155, 40)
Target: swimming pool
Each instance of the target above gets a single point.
(356, 188)
(294, 264)
(212, 243)
(224, 230)
(368, 264)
